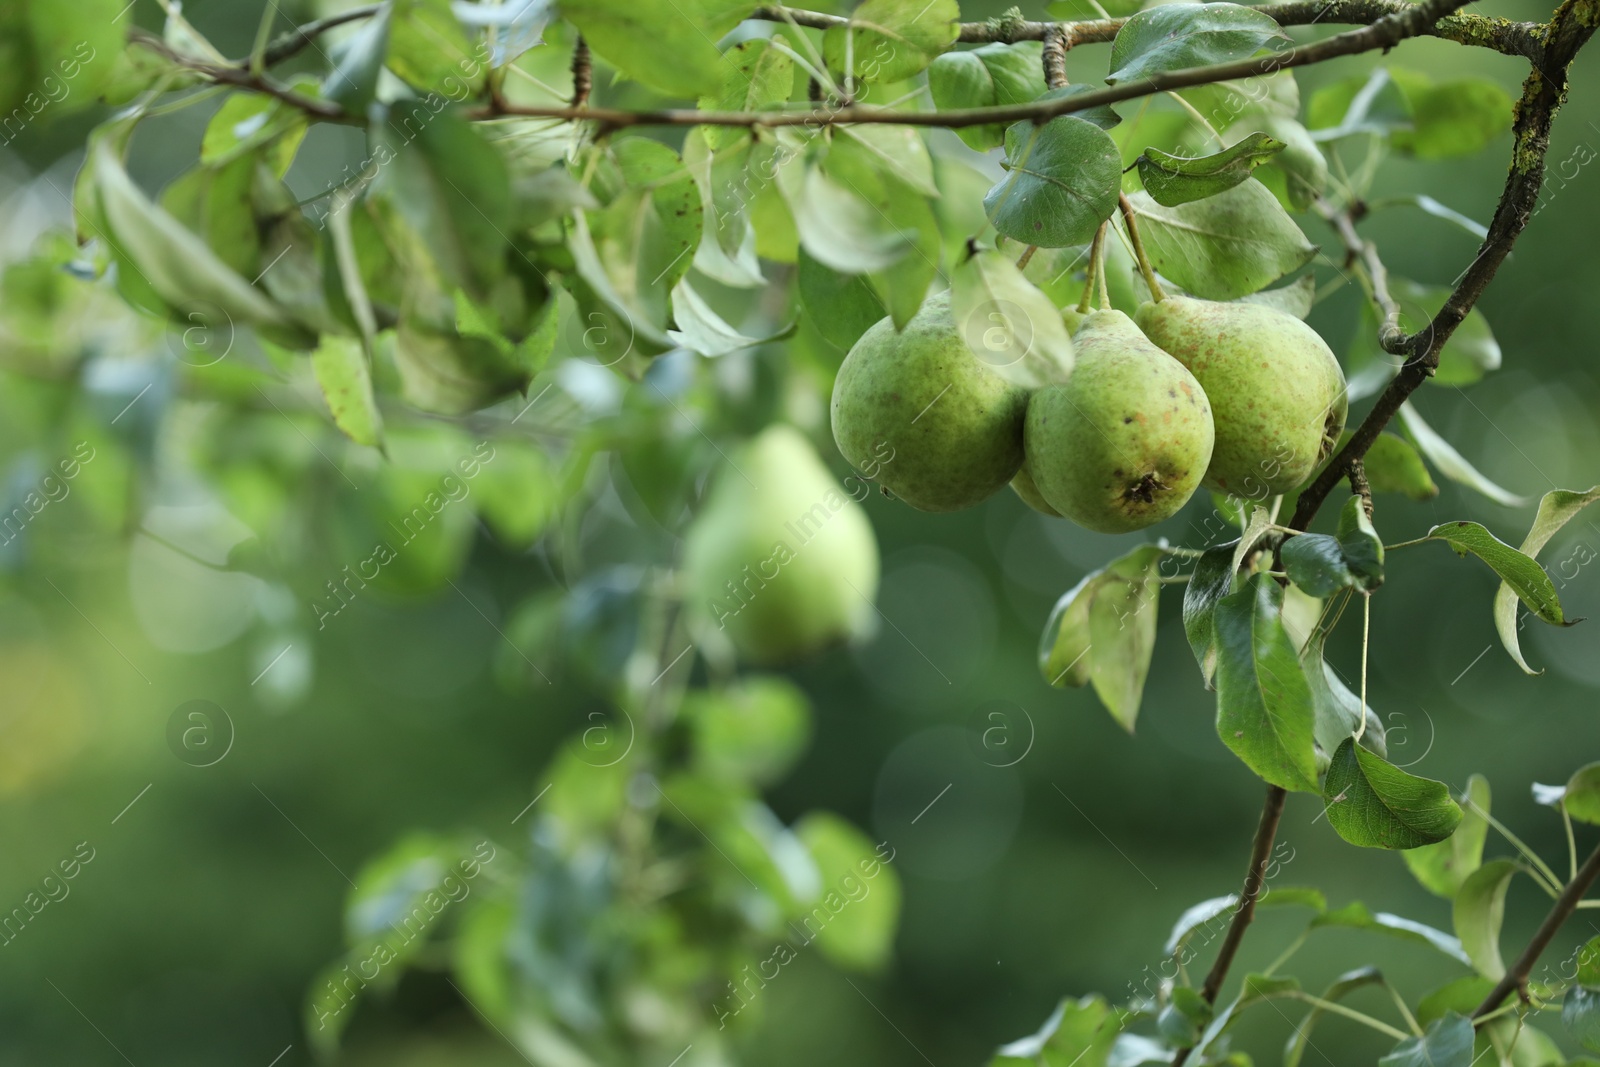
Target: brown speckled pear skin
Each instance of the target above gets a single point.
(950, 427)
(1124, 442)
(1276, 390)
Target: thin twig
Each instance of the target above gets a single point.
(243, 78)
(294, 41)
(1255, 877)
(1517, 976)
(1357, 248)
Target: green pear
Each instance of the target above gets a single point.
(1025, 487)
(780, 557)
(921, 415)
(1276, 390)
(1124, 442)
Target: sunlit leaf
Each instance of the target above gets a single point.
(1443, 866)
(1556, 509)
(1264, 711)
(1479, 910)
(1225, 246)
(1062, 183)
(1176, 36)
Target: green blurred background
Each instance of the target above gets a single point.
(215, 893)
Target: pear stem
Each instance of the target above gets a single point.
(1027, 254)
(1093, 270)
(1100, 273)
(1156, 292)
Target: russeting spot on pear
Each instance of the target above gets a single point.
(950, 424)
(1276, 390)
(1123, 443)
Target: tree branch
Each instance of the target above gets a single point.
(243, 78)
(1517, 977)
(1542, 95)
(1501, 35)
(295, 41)
(1390, 336)
(1391, 29)
(1254, 878)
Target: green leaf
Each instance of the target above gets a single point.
(752, 731)
(1360, 544)
(1471, 352)
(756, 76)
(1172, 180)
(1588, 974)
(1194, 917)
(1254, 989)
(892, 174)
(1185, 1016)
(1338, 711)
(1009, 325)
(645, 235)
(1321, 564)
(1209, 582)
(1177, 36)
(841, 306)
(1447, 1042)
(670, 47)
(246, 122)
(1345, 984)
(1580, 1011)
(1302, 164)
(1442, 867)
(1293, 896)
(357, 62)
(1556, 509)
(890, 40)
(518, 493)
(429, 50)
(1264, 711)
(854, 918)
(1225, 246)
(1582, 796)
(1451, 463)
(1297, 298)
(451, 187)
(1479, 909)
(1372, 803)
(1103, 631)
(1356, 916)
(1525, 577)
(1078, 1032)
(1063, 182)
(1371, 103)
(994, 75)
(75, 45)
(171, 260)
(1453, 118)
(838, 228)
(1392, 465)
(702, 330)
(346, 380)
